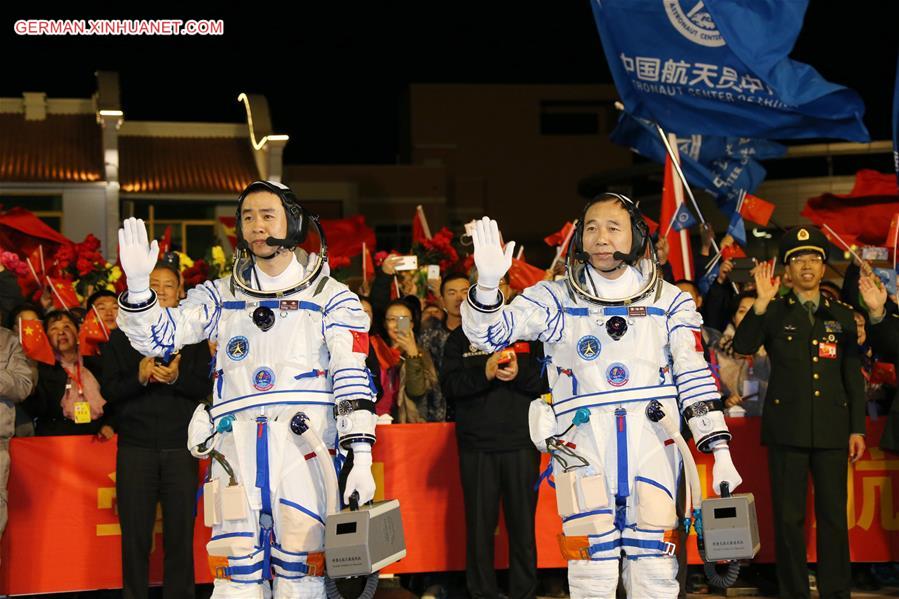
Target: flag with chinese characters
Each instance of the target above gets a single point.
(34, 341)
(722, 67)
(725, 167)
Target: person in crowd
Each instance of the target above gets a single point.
(154, 401)
(884, 340)
(814, 413)
(10, 293)
(453, 288)
(17, 379)
(106, 304)
(498, 463)
(744, 379)
(22, 312)
(67, 399)
(407, 371)
(432, 316)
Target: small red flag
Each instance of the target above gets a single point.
(63, 292)
(91, 335)
(34, 341)
(522, 275)
(756, 209)
(420, 230)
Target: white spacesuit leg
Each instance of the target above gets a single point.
(300, 510)
(593, 579)
(654, 577)
(235, 556)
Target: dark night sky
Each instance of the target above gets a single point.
(335, 78)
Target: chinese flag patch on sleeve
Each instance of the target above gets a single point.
(697, 336)
(360, 342)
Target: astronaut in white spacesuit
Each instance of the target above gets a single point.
(616, 337)
(289, 339)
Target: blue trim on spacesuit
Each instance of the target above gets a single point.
(654, 484)
(306, 511)
(263, 483)
(621, 435)
(573, 397)
(585, 514)
(614, 403)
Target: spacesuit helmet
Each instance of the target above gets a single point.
(581, 273)
(303, 236)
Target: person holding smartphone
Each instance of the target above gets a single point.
(407, 371)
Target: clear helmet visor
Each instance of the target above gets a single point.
(311, 254)
(583, 279)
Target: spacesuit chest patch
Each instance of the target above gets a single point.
(588, 347)
(617, 374)
(263, 378)
(238, 348)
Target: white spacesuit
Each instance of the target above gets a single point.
(612, 345)
(287, 342)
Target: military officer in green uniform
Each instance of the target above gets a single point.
(814, 413)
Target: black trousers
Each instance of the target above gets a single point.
(488, 477)
(145, 477)
(789, 468)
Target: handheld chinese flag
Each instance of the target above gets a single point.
(522, 275)
(680, 255)
(34, 341)
(756, 209)
(165, 244)
(92, 333)
(559, 237)
(651, 224)
(420, 230)
(368, 266)
(64, 296)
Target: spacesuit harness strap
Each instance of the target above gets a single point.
(610, 399)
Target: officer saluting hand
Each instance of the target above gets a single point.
(813, 417)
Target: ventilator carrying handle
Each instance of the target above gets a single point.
(354, 501)
(725, 489)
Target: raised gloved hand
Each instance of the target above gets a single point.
(137, 257)
(199, 430)
(724, 470)
(490, 258)
(360, 478)
(541, 423)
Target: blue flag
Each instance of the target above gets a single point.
(706, 280)
(682, 219)
(722, 67)
(737, 228)
(896, 122)
(723, 166)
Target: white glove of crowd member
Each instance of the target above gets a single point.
(360, 478)
(198, 431)
(138, 258)
(492, 262)
(541, 423)
(724, 470)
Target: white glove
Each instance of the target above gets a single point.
(724, 470)
(489, 257)
(200, 429)
(137, 258)
(541, 423)
(360, 478)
